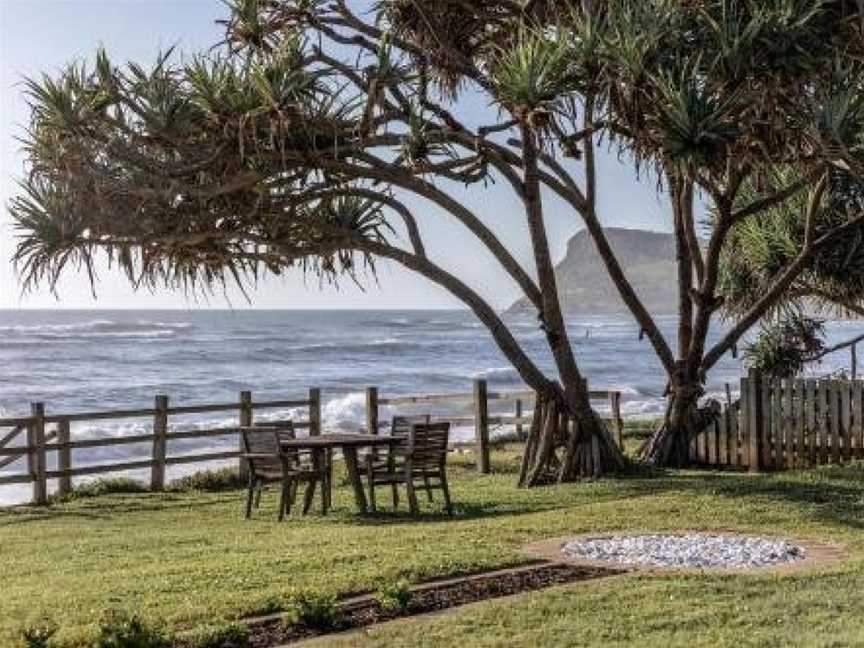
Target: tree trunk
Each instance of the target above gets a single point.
(568, 441)
(669, 446)
(565, 445)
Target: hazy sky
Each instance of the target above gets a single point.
(42, 35)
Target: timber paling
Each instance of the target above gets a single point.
(45, 433)
(780, 424)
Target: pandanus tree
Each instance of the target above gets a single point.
(831, 283)
(740, 106)
(314, 137)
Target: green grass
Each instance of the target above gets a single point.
(188, 559)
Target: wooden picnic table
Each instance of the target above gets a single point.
(349, 444)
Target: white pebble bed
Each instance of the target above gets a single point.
(693, 550)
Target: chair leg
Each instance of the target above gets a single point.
(283, 498)
(329, 480)
(324, 486)
(309, 496)
(292, 494)
(250, 493)
(373, 505)
(258, 495)
(427, 487)
(413, 505)
(445, 489)
(289, 496)
(328, 474)
(395, 489)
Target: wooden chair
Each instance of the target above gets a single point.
(269, 464)
(422, 458)
(400, 426)
(306, 462)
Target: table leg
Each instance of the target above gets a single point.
(351, 465)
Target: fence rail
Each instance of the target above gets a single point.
(786, 423)
(50, 434)
(40, 441)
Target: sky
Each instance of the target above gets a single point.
(41, 36)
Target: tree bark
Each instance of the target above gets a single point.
(669, 446)
(569, 425)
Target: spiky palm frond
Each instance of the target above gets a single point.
(695, 124)
(786, 345)
(184, 174)
(532, 74)
(759, 250)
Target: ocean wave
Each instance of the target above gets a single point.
(498, 374)
(96, 328)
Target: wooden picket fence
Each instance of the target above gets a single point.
(779, 424)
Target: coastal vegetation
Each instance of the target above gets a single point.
(323, 138)
(316, 135)
(186, 565)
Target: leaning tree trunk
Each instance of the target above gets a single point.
(669, 446)
(564, 445)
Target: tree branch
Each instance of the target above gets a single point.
(775, 292)
(505, 340)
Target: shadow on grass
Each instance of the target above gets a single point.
(828, 494)
(107, 506)
(832, 495)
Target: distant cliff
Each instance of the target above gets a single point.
(648, 259)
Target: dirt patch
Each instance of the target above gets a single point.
(362, 611)
(817, 554)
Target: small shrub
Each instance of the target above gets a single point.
(39, 634)
(213, 481)
(231, 635)
(317, 610)
(270, 605)
(121, 630)
(395, 596)
(104, 486)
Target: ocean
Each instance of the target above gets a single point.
(100, 360)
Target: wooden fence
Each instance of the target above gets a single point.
(45, 433)
(780, 424)
(50, 433)
(480, 399)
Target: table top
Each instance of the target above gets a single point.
(340, 440)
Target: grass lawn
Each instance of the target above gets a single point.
(185, 559)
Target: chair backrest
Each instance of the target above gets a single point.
(265, 443)
(401, 425)
(428, 443)
(284, 432)
(284, 428)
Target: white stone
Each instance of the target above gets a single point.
(693, 550)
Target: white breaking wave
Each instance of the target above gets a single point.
(96, 329)
(508, 374)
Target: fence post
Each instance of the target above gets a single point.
(37, 449)
(160, 442)
(372, 410)
(519, 429)
(314, 411)
(245, 421)
(64, 456)
(481, 425)
(754, 420)
(615, 405)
